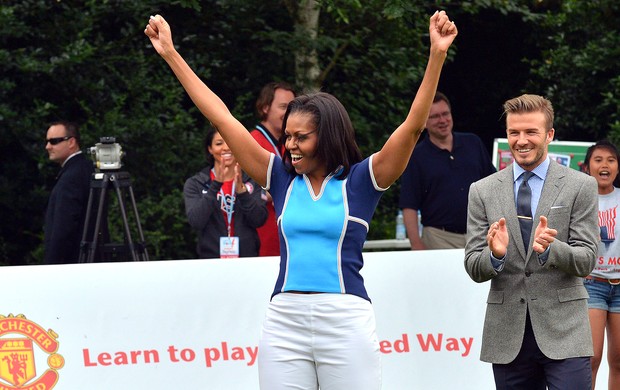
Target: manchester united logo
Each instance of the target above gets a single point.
(22, 343)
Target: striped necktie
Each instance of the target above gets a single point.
(524, 208)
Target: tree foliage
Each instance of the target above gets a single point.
(88, 61)
(579, 71)
(85, 61)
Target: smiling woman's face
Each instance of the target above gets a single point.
(220, 151)
(301, 141)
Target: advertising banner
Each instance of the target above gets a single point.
(195, 324)
(568, 153)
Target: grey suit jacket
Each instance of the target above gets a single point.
(553, 293)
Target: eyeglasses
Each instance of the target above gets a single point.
(445, 115)
(57, 140)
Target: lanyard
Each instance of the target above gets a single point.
(228, 208)
(268, 137)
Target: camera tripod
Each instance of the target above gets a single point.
(96, 248)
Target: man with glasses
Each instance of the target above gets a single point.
(437, 179)
(66, 208)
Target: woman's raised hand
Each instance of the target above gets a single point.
(158, 31)
(442, 31)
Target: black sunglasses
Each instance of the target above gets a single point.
(57, 140)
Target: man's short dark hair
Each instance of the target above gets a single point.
(441, 97)
(71, 129)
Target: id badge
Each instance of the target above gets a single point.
(229, 247)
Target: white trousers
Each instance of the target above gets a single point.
(312, 340)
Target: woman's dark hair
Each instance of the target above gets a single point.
(207, 142)
(602, 144)
(336, 144)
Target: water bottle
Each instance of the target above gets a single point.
(400, 226)
(420, 227)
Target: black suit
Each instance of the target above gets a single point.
(66, 211)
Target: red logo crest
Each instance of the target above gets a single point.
(21, 341)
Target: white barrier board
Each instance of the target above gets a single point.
(189, 324)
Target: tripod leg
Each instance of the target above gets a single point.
(121, 205)
(100, 207)
(85, 247)
(144, 253)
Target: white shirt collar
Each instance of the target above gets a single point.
(540, 170)
(74, 154)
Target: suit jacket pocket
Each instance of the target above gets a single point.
(496, 297)
(558, 217)
(572, 293)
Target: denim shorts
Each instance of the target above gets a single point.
(603, 295)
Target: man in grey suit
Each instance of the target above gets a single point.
(536, 329)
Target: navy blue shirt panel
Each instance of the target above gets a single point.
(437, 181)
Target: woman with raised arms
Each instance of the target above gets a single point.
(319, 328)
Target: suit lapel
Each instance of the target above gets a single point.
(554, 182)
(67, 163)
(62, 170)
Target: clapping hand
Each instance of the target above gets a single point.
(497, 238)
(543, 236)
(239, 184)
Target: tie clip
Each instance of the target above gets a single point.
(523, 217)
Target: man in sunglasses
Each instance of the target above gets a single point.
(66, 209)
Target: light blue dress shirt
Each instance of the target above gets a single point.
(536, 183)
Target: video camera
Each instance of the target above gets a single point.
(107, 154)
